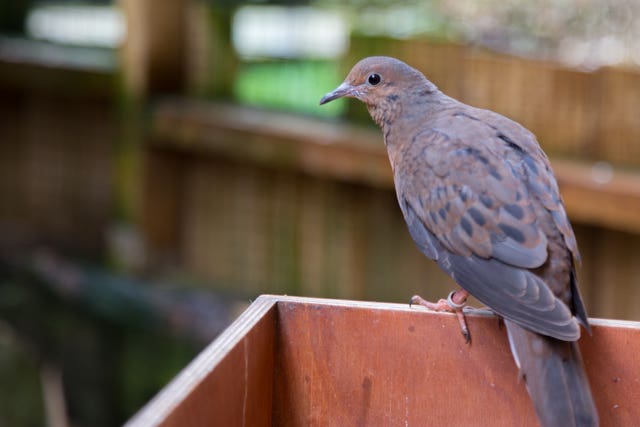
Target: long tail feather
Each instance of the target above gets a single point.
(555, 378)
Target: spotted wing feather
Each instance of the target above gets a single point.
(470, 208)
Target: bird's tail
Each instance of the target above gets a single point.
(555, 378)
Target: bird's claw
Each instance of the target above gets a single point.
(449, 305)
(464, 329)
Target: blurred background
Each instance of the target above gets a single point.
(164, 162)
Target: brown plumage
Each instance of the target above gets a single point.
(480, 199)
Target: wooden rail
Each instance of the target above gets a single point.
(291, 361)
(593, 194)
(28, 66)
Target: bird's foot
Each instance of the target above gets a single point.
(454, 303)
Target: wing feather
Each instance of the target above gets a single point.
(470, 209)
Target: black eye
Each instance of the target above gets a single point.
(374, 79)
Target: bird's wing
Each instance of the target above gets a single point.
(471, 208)
(473, 200)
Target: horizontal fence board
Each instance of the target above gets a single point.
(351, 153)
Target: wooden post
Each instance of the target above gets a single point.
(153, 60)
(155, 51)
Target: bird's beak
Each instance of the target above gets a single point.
(343, 90)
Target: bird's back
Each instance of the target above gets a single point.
(477, 179)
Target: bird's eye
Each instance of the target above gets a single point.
(374, 79)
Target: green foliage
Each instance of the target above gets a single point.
(289, 85)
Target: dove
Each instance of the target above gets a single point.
(480, 199)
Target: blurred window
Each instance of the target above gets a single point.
(76, 34)
(77, 24)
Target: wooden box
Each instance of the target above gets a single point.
(291, 361)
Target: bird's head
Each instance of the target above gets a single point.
(381, 83)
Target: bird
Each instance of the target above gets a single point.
(479, 198)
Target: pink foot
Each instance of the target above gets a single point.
(453, 304)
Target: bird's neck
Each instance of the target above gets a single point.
(386, 112)
(406, 116)
(402, 107)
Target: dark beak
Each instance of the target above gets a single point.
(343, 90)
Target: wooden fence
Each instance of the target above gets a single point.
(263, 201)
(223, 196)
(57, 133)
